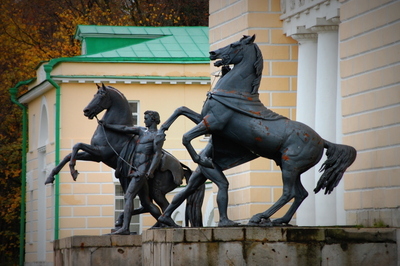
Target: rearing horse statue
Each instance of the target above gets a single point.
(114, 148)
(244, 129)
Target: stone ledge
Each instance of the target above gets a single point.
(98, 241)
(271, 234)
(243, 245)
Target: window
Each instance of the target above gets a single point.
(135, 111)
(119, 207)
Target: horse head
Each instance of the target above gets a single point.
(100, 102)
(248, 61)
(232, 53)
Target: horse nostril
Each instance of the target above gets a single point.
(212, 53)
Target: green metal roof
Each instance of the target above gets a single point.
(95, 30)
(146, 43)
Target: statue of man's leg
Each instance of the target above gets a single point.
(195, 181)
(133, 189)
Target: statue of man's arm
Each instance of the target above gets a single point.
(124, 129)
(157, 147)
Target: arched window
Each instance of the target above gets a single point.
(44, 125)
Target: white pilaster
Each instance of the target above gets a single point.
(325, 122)
(305, 113)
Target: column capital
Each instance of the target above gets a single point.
(304, 37)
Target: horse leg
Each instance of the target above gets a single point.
(217, 176)
(50, 179)
(148, 204)
(289, 177)
(136, 211)
(83, 156)
(199, 130)
(120, 220)
(161, 201)
(195, 181)
(159, 197)
(89, 149)
(301, 194)
(183, 110)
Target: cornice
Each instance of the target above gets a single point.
(45, 86)
(308, 13)
(325, 28)
(133, 79)
(35, 92)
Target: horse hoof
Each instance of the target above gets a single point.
(49, 180)
(159, 225)
(256, 219)
(280, 222)
(75, 175)
(262, 222)
(266, 222)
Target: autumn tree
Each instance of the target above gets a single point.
(167, 12)
(32, 31)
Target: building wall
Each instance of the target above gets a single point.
(358, 106)
(256, 185)
(40, 198)
(370, 82)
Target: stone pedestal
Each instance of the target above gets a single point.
(270, 246)
(236, 246)
(98, 250)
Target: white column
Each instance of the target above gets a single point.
(340, 211)
(305, 113)
(325, 123)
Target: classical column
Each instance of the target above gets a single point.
(325, 111)
(305, 113)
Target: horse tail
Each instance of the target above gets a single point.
(340, 157)
(194, 202)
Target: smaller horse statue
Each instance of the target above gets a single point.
(243, 129)
(114, 148)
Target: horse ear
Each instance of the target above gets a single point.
(101, 88)
(251, 39)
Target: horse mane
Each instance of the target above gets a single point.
(124, 102)
(118, 92)
(258, 66)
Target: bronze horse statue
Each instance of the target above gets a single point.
(114, 148)
(243, 129)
